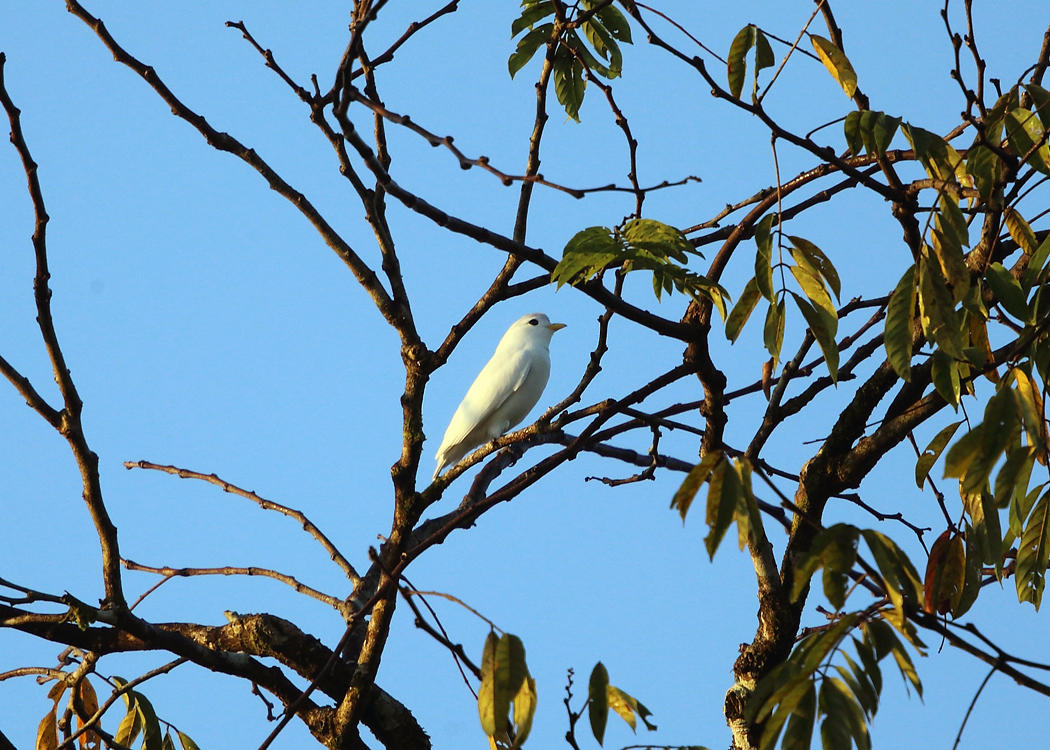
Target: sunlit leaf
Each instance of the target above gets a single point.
(724, 494)
(824, 326)
(151, 737)
(662, 240)
(524, 709)
(692, 483)
(570, 83)
(836, 62)
(186, 742)
(817, 260)
(742, 310)
(773, 333)
(627, 706)
(589, 251)
(47, 732)
(1033, 553)
(488, 709)
(940, 321)
(763, 256)
(901, 579)
(129, 727)
(736, 65)
(899, 316)
(527, 47)
(932, 452)
(798, 733)
(1020, 231)
(1025, 135)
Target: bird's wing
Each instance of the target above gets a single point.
(497, 382)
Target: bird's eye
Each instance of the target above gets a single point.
(534, 322)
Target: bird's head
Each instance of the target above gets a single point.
(531, 328)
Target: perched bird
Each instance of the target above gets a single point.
(504, 391)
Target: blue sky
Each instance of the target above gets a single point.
(208, 326)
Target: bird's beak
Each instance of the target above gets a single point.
(556, 326)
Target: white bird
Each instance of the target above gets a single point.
(504, 391)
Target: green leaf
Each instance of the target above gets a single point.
(692, 483)
(151, 737)
(959, 457)
(985, 531)
(813, 287)
(1033, 553)
(129, 727)
(798, 734)
(824, 326)
(988, 172)
(604, 45)
(1011, 483)
(940, 321)
(724, 495)
(858, 681)
(616, 23)
(524, 710)
(569, 82)
(906, 666)
(774, 330)
(883, 130)
(527, 47)
(836, 62)
(530, 15)
(899, 314)
(573, 42)
(794, 694)
(763, 59)
(598, 701)
(588, 252)
(898, 573)
(1020, 231)
(1036, 264)
(1030, 409)
(168, 743)
(997, 431)
(1041, 99)
(944, 373)
(851, 129)
(932, 453)
(764, 256)
(662, 240)
(834, 549)
(1008, 291)
(838, 704)
(488, 709)
(940, 160)
(743, 308)
(806, 252)
(1023, 132)
(971, 582)
(626, 706)
(737, 67)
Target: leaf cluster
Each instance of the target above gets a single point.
(637, 245)
(544, 22)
